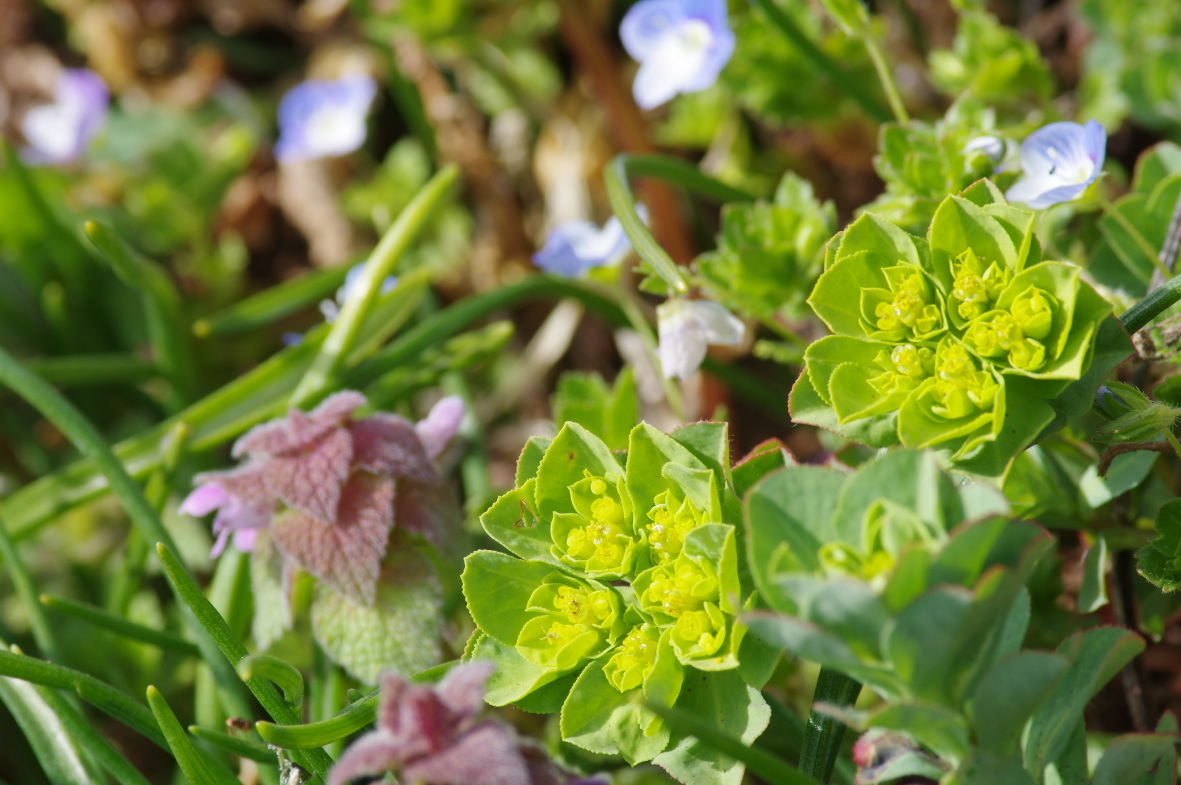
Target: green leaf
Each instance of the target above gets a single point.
(648, 451)
(1008, 694)
(722, 700)
(514, 677)
(1127, 759)
(981, 768)
(1096, 655)
(63, 759)
(272, 605)
(401, 631)
(759, 762)
(600, 718)
(788, 517)
(609, 414)
(512, 521)
(497, 588)
(958, 225)
(530, 459)
(198, 769)
(1124, 473)
(1093, 593)
(282, 673)
(942, 730)
(356, 716)
(709, 442)
(574, 450)
(759, 463)
(909, 478)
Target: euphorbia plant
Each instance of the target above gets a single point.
(624, 585)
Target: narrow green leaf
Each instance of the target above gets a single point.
(243, 748)
(121, 626)
(285, 676)
(162, 308)
(96, 745)
(272, 304)
(99, 694)
(196, 770)
(623, 203)
(207, 621)
(347, 327)
(317, 734)
(61, 756)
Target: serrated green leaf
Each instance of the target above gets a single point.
(400, 631)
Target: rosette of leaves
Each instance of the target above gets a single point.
(966, 341)
(921, 162)
(622, 584)
(929, 610)
(769, 253)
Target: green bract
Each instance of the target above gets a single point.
(624, 586)
(966, 341)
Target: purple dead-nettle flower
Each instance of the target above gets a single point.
(1059, 161)
(681, 46)
(320, 118)
(686, 327)
(574, 247)
(60, 132)
(331, 308)
(436, 736)
(330, 488)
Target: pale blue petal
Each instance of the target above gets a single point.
(1095, 143)
(668, 71)
(60, 132)
(1042, 192)
(646, 23)
(715, 60)
(1052, 146)
(320, 118)
(574, 247)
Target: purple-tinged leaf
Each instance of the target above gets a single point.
(347, 554)
(312, 480)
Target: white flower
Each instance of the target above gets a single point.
(58, 133)
(686, 327)
(320, 118)
(1059, 161)
(681, 46)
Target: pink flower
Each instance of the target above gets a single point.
(330, 488)
(435, 736)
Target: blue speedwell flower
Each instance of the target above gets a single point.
(574, 247)
(58, 133)
(687, 327)
(320, 118)
(681, 45)
(1059, 161)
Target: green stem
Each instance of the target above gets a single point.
(617, 179)
(885, 76)
(1153, 305)
(1113, 212)
(22, 581)
(197, 769)
(848, 85)
(385, 256)
(319, 734)
(822, 738)
(241, 747)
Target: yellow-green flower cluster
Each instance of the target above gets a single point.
(627, 578)
(956, 342)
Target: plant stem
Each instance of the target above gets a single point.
(885, 76)
(380, 265)
(848, 85)
(822, 738)
(1153, 305)
(1114, 214)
